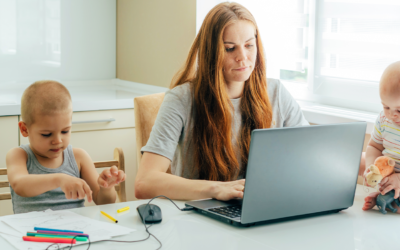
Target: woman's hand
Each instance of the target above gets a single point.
(389, 183)
(111, 177)
(228, 190)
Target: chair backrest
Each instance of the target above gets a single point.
(118, 161)
(4, 196)
(146, 110)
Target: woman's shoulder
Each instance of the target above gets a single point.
(274, 89)
(181, 93)
(182, 89)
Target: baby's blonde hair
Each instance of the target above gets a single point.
(44, 98)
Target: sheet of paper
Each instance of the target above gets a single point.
(19, 224)
(15, 238)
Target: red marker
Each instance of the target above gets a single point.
(50, 240)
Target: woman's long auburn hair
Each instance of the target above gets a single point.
(214, 153)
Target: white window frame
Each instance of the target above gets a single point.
(358, 95)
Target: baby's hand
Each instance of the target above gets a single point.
(111, 177)
(389, 183)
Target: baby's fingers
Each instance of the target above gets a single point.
(384, 180)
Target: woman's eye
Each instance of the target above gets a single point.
(249, 45)
(65, 132)
(46, 135)
(229, 49)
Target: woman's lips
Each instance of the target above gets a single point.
(241, 69)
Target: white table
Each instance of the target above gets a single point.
(349, 229)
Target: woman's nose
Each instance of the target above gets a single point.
(241, 55)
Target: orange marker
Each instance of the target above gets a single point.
(50, 240)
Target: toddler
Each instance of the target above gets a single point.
(385, 138)
(48, 173)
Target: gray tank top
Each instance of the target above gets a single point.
(53, 199)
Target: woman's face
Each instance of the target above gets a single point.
(241, 51)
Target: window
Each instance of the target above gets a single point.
(328, 51)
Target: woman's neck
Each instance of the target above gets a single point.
(234, 89)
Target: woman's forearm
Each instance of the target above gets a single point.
(174, 187)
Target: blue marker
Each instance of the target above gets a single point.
(57, 230)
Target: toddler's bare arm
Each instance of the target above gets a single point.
(30, 185)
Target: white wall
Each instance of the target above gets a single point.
(64, 40)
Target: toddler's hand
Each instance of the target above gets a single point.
(111, 177)
(392, 182)
(75, 188)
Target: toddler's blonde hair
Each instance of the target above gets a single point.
(44, 98)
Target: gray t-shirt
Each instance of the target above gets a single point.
(171, 134)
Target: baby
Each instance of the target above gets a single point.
(48, 172)
(385, 138)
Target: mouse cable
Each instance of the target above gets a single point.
(146, 227)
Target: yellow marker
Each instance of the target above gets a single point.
(111, 218)
(123, 209)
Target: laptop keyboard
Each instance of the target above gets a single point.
(229, 211)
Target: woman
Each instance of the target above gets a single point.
(204, 124)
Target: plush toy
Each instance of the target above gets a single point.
(383, 166)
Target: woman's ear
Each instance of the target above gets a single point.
(23, 128)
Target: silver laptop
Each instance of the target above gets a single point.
(294, 172)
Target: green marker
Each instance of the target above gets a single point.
(56, 236)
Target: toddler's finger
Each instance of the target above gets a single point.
(102, 182)
(123, 179)
(88, 192)
(121, 176)
(114, 170)
(81, 193)
(106, 173)
(384, 180)
(74, 195)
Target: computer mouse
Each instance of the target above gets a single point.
(151, 213)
